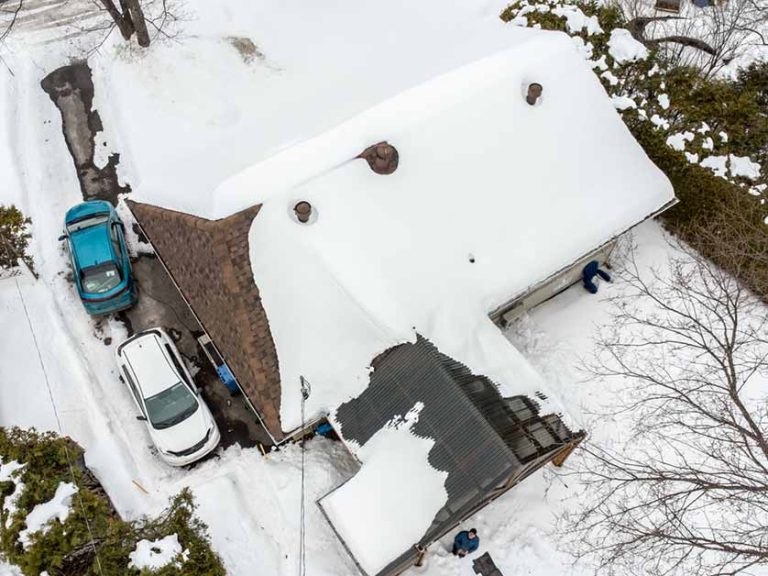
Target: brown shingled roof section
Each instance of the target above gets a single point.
(210, 263)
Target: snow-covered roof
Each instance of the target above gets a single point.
(491, 196)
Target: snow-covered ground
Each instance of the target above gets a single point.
(183, 119)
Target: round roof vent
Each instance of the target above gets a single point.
(383, 158)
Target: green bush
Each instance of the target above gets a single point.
(14, 237)
(716, 216)
(66, 548)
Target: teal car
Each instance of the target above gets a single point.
(95, 237)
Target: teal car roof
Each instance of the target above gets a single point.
(91, 246)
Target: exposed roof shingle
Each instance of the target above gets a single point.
(210, 263)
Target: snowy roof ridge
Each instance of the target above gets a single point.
(302, 161)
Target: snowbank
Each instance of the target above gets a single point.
(388, 505)
(154, 554)
(57, 508)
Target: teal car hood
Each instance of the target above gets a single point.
(91, 246)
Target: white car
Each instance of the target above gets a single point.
(178, 421)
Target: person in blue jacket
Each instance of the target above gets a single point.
(588, 274)
(465, 542)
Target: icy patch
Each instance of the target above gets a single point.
(623, 48)
(101, 150)
(376, 518)
(56, 508)
(154, 554)
(576, 20)
(663, 100)
(677, 141)
(623, 102)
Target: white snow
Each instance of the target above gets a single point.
(708, 143)
(608, 75)
(408, 270)
(663, 100)
(718, 165)
(744, 166)
(740, 166)
(723, 136)
(10, 570)
(704, 128)
(623, 102)
(57, 508)
(600, 63)
(389, 504)
(660, 122)
(692, 158)
(154, 554)
(623, 48)
(576, 20)
(678, 140)
(9, 472)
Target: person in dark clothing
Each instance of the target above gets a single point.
(588, 274)
(465, 542)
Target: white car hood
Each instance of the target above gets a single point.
(185, 434)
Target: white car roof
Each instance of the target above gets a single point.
(149, 361)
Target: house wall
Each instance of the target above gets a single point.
(552, 286)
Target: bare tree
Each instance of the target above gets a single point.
(707, 37)
(687, 492)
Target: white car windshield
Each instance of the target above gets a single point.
(171, 406)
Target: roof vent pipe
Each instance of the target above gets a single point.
(383, 158)
(534, 93)
(303, 211)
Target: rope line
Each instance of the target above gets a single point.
(61, 430)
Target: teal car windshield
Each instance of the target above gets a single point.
(100, 278)
(87, 222)
(171, 406)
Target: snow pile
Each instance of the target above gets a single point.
(154, 554)
(390, 503)
(623, 48)
(744, 167)
(677, 141)
(57, 508)
(576, 20)
(623, 102)
(10, 570)
(9, 473)
(466, 139)
(740, 166)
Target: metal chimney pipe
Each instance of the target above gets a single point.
(534, 93)
(303, 211)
